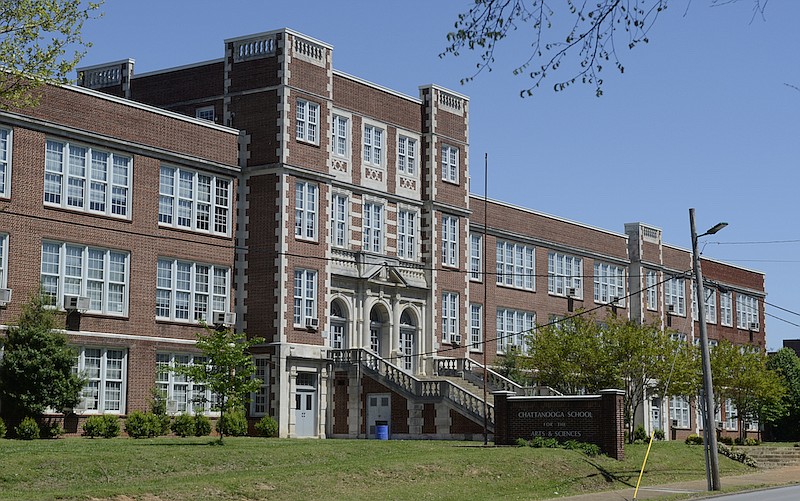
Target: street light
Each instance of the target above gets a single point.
(709, 429)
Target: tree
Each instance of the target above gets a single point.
(35, 36)
(229, 370)
(592, 33)
(36, 368)
(786, 364)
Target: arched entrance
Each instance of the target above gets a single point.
(408, 341)
(379, 330)
(339, 334)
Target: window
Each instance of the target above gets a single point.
(475, 327)
(407, 155)
(260, 398)
(711, 305)
(515, 265)
(450, 332)
(651, 280)
(5, 163)
(746, 312)
(449, 163)
(450, 240)
(105, 370)
(730, 415)
(674, 295)
(512, 328)
(94, 181)
(679, 411)
(305, 210)
(475, 257)
(339, 218)
(340, 138)
(188, 291)
(307, 115)
(189, 200)
(725, 308)
(373, 145)
(373, 227)
(3, 261)
(609, 284)
(79, 270)
(181, 393)
(406, 234)
(564, 273)
(305, 296)
(205, 113)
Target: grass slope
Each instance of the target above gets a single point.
(251, 468)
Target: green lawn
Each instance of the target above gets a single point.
(253, 468)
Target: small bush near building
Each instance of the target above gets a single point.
(748, 441)
(658, 434)
(51, 429)
(726, 440)
(267, 427)
(144, 425)
(202, 426)
(183, 425)
(233, 423)
(640, 434)
(101, 426)
(28, 429)
(2, 428)
(591, 450)
(694, 439)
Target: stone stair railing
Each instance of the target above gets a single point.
(472, 371)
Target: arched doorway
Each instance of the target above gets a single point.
(379, 330)
(408, 341)
(338, 338)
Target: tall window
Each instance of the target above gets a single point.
(260, 400)
(305, 296)
(105, 370)
(450, 240)
(3, 260)
(475, 257)
(339, 218)
(79, 270)
(305, 210)
(372, 227)
(450, 332)
(188, 291)
(731, 415)
(373, 145)
(675, 295)
(5, 163)
(475, 327)
(564, 273)
(651, 278)
(711, 305)
(181, 393)
(515, 265)
(746, 312)
(406, 234)
(340, 136)
(449, 163)
(407, 155)
(93, 180)
(307, 115)
(512, 327)
(609, 284)
(679, 410)
(725, 308)
(194, 201)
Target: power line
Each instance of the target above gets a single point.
(781, 319)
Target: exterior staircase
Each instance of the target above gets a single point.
(772, 457)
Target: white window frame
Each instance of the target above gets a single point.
(307, 121)
(206, 113)
(6, 142)
(3, 262)
(651, 294)
(516, 265)
(72, 181)
(564, 272)
(512, 326)
(197, 398)
(305, 210)
(726, 308)
(609, 284)
(475, 327)
(374, 140)
(194, 201)
(450, 163)
(450, 240)
(372, 226)
(476, 257)
(305, 296)
(340, 219)
(407, 154)
(340, 135)
(99, 385)
(407, 233)
(675, 296)
(72, 269)
(679, 410)
(731, 422)
(711, 304)
(746, 310)
(259, 401)
(450, 308)
(188, 291)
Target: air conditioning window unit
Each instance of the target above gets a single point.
(172, 406)
(80, 303)
(456, 338)
(5, 296)
(312, 324)
(754, 326)
(225, 318)
(671, 308)
(572, 292)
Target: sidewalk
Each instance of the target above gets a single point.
(759, 479)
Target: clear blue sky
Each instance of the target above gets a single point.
(701, 118)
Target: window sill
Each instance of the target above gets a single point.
(448, 181)
(515, 288)
(306, 142)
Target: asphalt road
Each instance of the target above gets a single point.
(779, 494)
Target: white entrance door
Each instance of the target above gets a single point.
(379, 408)
(407, 345)
(305, 405)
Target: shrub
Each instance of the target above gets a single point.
(748, 441)
(101, 426)
(202, 426)
(183, 425)
(268, 427)
(541, 442)
(2, 428)
(726, 440)
(737, 455)
(52, 429)
(143, 425)
(521, 442)
(658, 434)
(233, 423)
(28, 429)
(640, 434)
(694, 439)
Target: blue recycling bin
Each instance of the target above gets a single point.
(382, 430)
